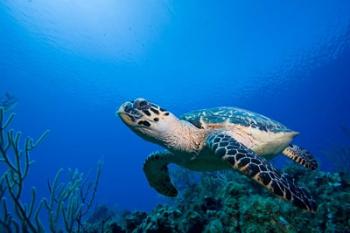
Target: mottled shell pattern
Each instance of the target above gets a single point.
(232, 115)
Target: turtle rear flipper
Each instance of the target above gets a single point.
(156, 171)
(243, 159)
(301, 156)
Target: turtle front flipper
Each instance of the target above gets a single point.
(241, 158)
(301, 156)
(156, 171)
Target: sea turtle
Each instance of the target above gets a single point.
(216, 139)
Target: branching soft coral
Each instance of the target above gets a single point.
(71, 202)
(26, 216)
(68, 204)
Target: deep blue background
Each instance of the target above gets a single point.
(72, 63)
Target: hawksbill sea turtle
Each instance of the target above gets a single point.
(217, 139)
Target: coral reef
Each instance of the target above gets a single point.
(229, 202)
(8, 102)
(68, 204)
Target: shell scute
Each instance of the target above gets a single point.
(233, 115)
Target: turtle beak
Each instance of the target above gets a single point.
(125, 108)
(131, 111)
(124, 112)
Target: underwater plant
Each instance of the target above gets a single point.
(72, 201)
(8, 101)
(12, 180)
(66, 207)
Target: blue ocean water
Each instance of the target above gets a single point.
(71, 63)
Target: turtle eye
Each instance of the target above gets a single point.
(146, 112)
(140, 104)
(145, 123)
(127, 108)
(155, 111)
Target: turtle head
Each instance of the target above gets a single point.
(147, 119)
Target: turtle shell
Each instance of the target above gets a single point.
(235, 116)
